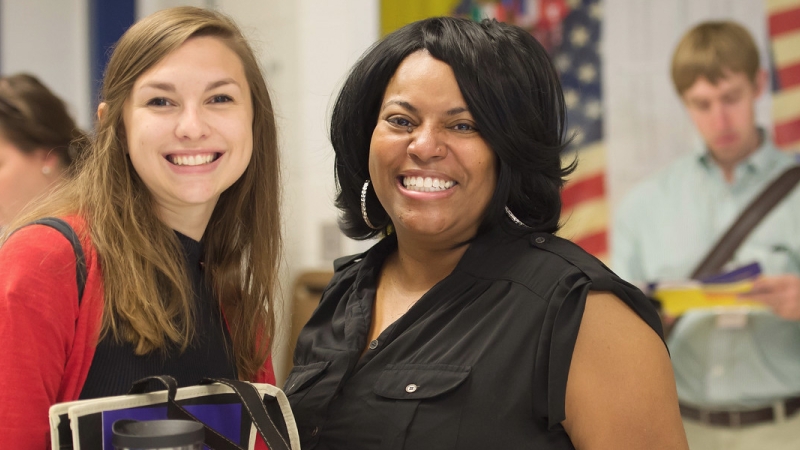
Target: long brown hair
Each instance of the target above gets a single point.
(148, 297)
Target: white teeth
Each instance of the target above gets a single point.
(191, 160)
(427, 184)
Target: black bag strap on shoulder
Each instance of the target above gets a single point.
(246, 392)
(727, 245)
(80, 261)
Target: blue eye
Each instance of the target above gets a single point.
(158, 101)
(221, 99)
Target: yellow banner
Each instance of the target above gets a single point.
(397, 13)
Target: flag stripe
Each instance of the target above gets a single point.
(787, 133)
(591, 158)
(595, 244)
(588, 188)
(789, 76)
(786, 104)
(784, 21)
(587, 218)
(784, 32)
(786, 49)
(777, 6)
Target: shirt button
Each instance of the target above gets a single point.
(315, 431)
(411, 388)
(374, 344)
(539, 240)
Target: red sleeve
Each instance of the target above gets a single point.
(267, 373)
(38, 310)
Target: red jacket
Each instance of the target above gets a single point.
(46, 341)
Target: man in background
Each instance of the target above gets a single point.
(737, 370)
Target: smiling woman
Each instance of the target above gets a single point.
(469, 325)
(431, 169)
(176, 206)
(188, 122)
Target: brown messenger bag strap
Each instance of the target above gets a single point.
(727, 245)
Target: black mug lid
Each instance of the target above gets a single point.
(156, 433)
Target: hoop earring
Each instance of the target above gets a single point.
(364, 206)
(514, 218)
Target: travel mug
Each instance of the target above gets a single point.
(157, 435)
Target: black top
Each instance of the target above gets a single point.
(479, 362)
(115, 366)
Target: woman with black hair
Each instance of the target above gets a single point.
(470, 325)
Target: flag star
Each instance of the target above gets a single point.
(596, 11)
(571, 98)
(593, 109)
(587, 73)
(580, 36)
(563, 62)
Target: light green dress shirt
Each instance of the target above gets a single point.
(662, 230)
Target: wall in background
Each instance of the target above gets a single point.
(49, 38)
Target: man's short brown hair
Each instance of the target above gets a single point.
(712, 50)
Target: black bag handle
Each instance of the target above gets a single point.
(80, 260)
(246, 392)
(727, 245)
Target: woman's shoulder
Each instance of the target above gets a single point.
(531, 258)
(549, 266)
(567, 255)
(38, 261)
(47, 242)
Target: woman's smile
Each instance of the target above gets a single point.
(198, 159)
(431, 169)
(426, 184)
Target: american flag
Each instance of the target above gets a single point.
(571, 32)
(784, 31)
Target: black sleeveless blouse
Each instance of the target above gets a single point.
(479, 362)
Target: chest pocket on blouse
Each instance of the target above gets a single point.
(301, 377)
(423, 404)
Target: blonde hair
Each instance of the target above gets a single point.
(140, 256)
(712, 50)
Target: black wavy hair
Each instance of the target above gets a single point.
(512, 91)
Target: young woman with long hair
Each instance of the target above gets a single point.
(176, 202)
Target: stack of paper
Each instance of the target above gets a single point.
(719, 291)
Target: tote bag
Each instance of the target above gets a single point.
(233, 412)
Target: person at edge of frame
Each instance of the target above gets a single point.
(736, 369)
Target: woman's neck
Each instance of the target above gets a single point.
(191, 222)
(420, 267)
